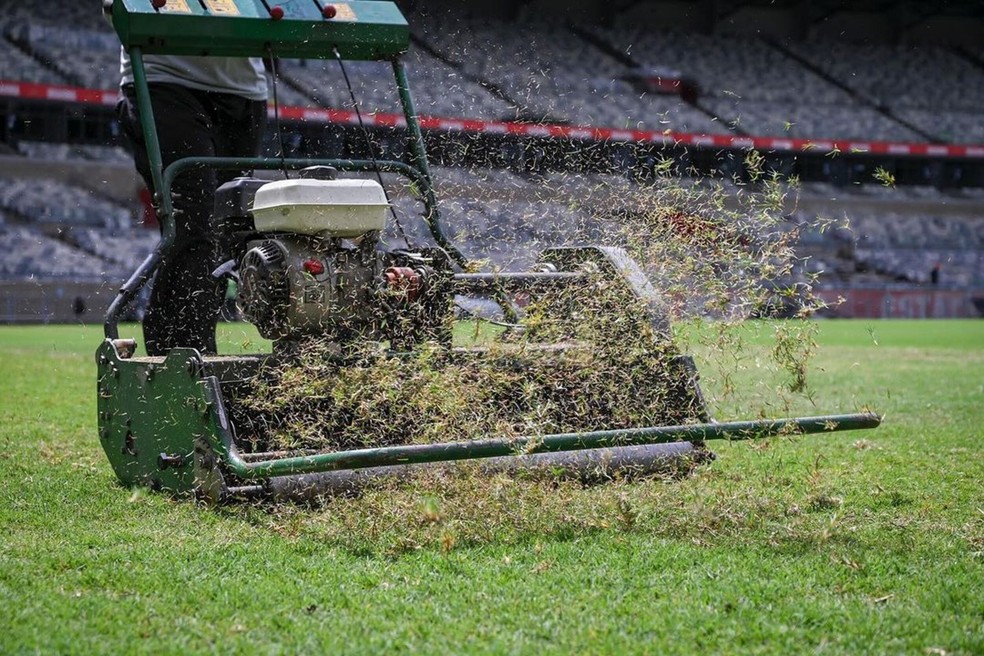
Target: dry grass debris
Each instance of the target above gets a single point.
(714, 251)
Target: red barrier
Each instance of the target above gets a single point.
(904, 303)
(825, 146)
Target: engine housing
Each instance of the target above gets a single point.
(291, 286)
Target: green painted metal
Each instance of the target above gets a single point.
(147, 408)
(147, 125)
(162, 199)
(163, 424)
(448, 451)
(130, 289)
(419, 161)
(418, 156)
(247, 28)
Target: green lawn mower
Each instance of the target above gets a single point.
(311, 265)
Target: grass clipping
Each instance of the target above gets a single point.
(710, 252)
(593, 370)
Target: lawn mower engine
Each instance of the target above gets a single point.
(312, 265)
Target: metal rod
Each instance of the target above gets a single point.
(418, 154)
(145, 108)
(162, 196)
(418, 453)
(587, 466)
(131, 287)
(512, 281)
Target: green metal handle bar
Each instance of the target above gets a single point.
(422, 453)
(143, 273)
(415, 138)
(417, 171)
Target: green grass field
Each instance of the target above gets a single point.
(848, 543)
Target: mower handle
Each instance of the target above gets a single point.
(162, 178)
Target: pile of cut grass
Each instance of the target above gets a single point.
(705, 255)
(615, 371)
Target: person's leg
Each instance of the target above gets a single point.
(185, 298)
(240, 125)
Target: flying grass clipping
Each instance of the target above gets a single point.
(719, 254)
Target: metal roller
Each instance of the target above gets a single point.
(589, 467)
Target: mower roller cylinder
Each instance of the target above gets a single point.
(588, 467)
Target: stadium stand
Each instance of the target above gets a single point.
(443, 90)
(72, 15)
(752, 87)
(893, 246)
(811, 89)
(951, 126)
(726, 64)
(806, 121)
(30, 254)
(60, 151)
(542, 70)
(897, 75)
(84, 57)
(123, 248)
(930, 88)
(17, 65)
(50, 202)
(469, 66)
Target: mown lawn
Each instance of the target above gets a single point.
(867, 542)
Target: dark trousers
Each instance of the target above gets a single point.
(185, 298)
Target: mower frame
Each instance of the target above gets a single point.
(163, 421)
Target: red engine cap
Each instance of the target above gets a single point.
(404, 279)
(276, 13)
(158, 4)
(329, 11)
(314, 267)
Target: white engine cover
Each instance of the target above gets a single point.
(332, 208)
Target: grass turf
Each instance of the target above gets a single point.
(845, 543)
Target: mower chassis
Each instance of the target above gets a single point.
(163, 424)
(163, 421)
